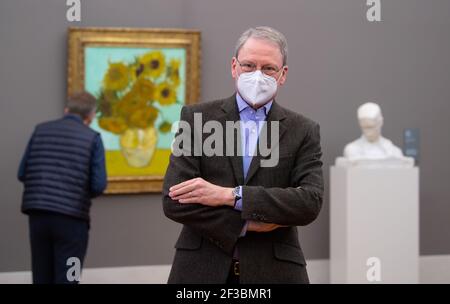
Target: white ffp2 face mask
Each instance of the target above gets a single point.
(256, 87)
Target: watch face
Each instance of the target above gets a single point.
(236, 193)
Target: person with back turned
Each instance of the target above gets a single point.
(62, 170)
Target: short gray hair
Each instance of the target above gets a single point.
(81, 103)
(266, 33)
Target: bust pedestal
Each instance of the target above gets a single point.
(374, 212)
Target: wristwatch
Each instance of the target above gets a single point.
(236, 194)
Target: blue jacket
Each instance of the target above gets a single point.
(63, 168)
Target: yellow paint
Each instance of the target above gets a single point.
(116, 165)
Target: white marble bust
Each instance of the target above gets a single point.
(372, 149)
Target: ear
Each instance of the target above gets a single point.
(234, 73)
(89, 119)
(283, 76)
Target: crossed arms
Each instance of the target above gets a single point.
(208, 208)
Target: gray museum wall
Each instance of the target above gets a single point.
(337, 61)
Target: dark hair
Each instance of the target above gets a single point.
(81, 103)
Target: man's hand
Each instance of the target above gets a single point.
(199, 191)
(262, 227)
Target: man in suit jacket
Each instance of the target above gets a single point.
(239, 216)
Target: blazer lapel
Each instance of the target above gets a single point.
(231, 114)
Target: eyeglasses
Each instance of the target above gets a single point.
(269, 70)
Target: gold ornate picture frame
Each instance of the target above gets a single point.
(141, 79)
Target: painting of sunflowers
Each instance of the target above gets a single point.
(140, 88)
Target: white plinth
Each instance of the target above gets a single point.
(374, 212)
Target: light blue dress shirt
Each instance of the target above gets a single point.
(252, 122)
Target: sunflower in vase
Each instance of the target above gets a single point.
(131, 99)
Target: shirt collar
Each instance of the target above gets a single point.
(242, 104)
